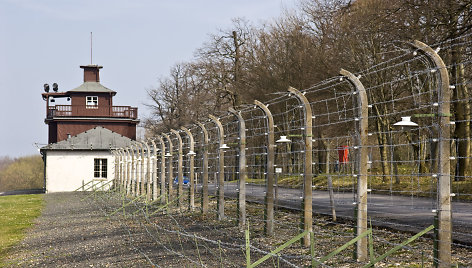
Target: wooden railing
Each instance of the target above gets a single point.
(92, 111)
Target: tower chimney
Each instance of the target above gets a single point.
(91, 73)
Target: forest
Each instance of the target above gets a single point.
(23, 173)
(311, 44)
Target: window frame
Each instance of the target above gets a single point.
(91, 102)
(100, 168)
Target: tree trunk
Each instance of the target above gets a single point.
(382, 140)
(461, 114)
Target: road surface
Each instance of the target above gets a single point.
(405, 213)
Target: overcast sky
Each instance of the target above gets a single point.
(136, 42)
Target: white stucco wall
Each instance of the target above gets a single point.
(67, 170)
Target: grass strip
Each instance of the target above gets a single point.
(17, 214)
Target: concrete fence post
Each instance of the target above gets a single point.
(128, 171)
(361, 163)
(205, 199)
(444, 177)
(242, 169)
(163, 169)
(180, 174)
(148, 171)
(191, 157)
(221, 168)
(140, 184)
(308, 172)
(122, 169)
(133, 171)
(269, 168)
(170, 174)
(154, 169)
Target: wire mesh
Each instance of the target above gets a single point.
(404, 152)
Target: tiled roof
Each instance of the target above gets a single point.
(98, 138)
(92, 87)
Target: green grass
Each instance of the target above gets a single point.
(17, 213)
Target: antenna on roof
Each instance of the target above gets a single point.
(90, 48)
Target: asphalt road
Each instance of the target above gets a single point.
(405, 213)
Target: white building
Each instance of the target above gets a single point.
(85, 159)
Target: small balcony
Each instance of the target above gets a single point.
(126, 112)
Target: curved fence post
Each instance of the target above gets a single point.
(163, 169)
(133, 170)
(122, 169)
(242, 169)
(191, 156)
(140, 183)
(444, 169)
(308, 172)
(128, 171)
(148, 171)
(361, 163)
(269, 169)
(154, 170)
(221, 168)
(180, 180)
(204, 169)
(116, 168)
(170, 174)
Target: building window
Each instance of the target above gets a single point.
(91, 102)
(100, 168)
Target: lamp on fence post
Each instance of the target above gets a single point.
(361, 163)
(308, 172)
(281, 140)
(180, 178)
(270, 168)
(221, 168)
(163, 169)
(191, 154)
(242, 169)
(154, 170)
(170, 174)
(204, 169)
(444, 172)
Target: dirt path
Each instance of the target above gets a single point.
(72, 232)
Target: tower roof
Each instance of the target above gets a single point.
(92, 87)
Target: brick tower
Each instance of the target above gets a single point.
(91, 105)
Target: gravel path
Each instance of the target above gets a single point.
(72, 232)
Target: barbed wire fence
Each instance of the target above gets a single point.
(377, 148)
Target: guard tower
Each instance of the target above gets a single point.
(89, 105)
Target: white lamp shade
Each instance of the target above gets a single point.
(406, 122)
(283, 139)
(224, 146)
